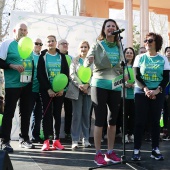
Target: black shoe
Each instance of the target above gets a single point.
(7, 147)
(68, 137)
(136, 155)
(156, 154)
(26, 144)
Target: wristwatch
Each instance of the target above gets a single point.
(160, 89)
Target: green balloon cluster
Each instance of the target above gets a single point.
(131, 73)
(59, 82)
(1, 117)
(25, 47)
(84, 74)
(68, 58)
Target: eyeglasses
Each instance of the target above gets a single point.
(51, 41)
(129, 53)
(63, 43)
(37, 43)
(149, 41)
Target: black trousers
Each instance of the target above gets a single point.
(144, 108)
(36, 115)
(12, 95)
(51, 109)
(68, 115)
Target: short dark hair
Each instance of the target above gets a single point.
(166, 49)
(132, 51)
(52, 36)
(158, 40)
(102, 35)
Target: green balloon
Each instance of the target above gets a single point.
(84, 74)
(68, 58)
(161, 122)
(25, 47)
(1, 117)
(59, 82)
(41, 134)
(132, 79)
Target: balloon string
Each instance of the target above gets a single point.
(48, 106)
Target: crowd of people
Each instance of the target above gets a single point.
(147, 93)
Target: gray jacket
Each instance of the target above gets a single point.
(102, 68)
(73, 88)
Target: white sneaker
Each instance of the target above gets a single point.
(126, 139)
(131, 138)
(74, 145)
(86, 143)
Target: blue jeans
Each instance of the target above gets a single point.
(81, 117)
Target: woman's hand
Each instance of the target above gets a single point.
(51, 93)
(60, 93)
(84, 87)
(91, 59)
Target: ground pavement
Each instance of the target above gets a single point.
(83, 158)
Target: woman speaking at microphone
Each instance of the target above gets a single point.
(106, 55)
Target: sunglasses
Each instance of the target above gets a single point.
(149, 41)
(37, 43)
(51, 41)
(83, 47)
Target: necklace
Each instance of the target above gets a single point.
(110, 44)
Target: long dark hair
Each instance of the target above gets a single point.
(102, 35)
(166, 49)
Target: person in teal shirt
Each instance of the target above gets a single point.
(129, 97)
(17, 87)
(105, 55)
(51, 62)
(36, 101)
(151, 71)
(166, 109)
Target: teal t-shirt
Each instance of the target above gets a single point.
(151, 69)
(12, 77)
(53, 65)
(35, 84)
(114, 57)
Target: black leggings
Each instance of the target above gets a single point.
(102, 97)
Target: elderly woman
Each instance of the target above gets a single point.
(152, 75)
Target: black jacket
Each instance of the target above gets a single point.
(42, 76)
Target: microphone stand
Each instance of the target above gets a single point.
(123, 157)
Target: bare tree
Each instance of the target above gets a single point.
(64, 7)
(58, 7)
(40, 6)
(4, 18)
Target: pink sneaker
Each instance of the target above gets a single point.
(112, 157)
(99, 159)
(46, 146)
(57, 145)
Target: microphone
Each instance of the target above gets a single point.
(118, 31)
